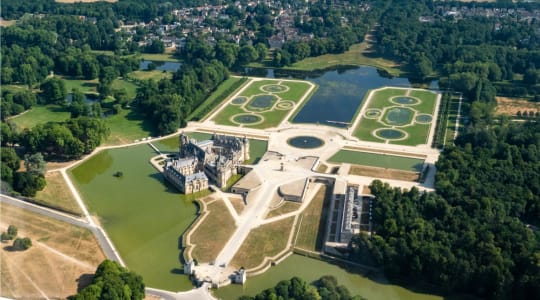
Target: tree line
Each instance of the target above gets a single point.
(476, 234)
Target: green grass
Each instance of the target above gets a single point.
(126, 127)
(226, 88)
(85, 86)
(417, 133)
(147, 56)
(378, 160)
(272, 118)
(143, 216)
(314, 219)
(357, 55)
(146, 75)
(130, 87)
(41, 114)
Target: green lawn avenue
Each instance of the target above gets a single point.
(270, 100)
(378, 160)
(397, 109)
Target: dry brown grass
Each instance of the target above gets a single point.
(366, 190)
(511, 106)
(5, 23)
(266, 240)
(212, 234)
(321, 168)
(54, 265)
(238, 204)
(57, 194)
(313, 221)
(284, 208)
(383, 173)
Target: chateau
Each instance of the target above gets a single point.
(206, 162)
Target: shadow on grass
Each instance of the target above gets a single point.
(90, 84)
(83, 281)
(145, 124)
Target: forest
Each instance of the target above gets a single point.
(478, 233)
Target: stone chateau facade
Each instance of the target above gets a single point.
(200, 163)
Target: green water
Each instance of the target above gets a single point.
(143, 216)
(311, 269)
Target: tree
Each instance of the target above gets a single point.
(28, 184)
(21, 244)
(112, 281)
(35, 164)
(53, 90)
(12, 231)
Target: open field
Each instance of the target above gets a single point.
(357, 55)
(397, 116)
(511, 106)
(85, 86)
(378, 160)
(214, 231)
(62, 257)
(313, 221)
(155, 75)
(5, 23)
(40, 114)
(57, 194)
(127, 126)
(266, 240)
(262, 104)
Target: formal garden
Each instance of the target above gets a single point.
(397, 116)
(263, 103)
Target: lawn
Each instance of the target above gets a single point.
(401, 117)
(145, 75)
(357, 55)
(264, 241)
(57, 194)
(272, 117)
(85, 86)
(378, 160)
(213, 232)
(313, 221)
(144, 216)
(285, 207)
(130, 87)
(40, 114)
(126, 127)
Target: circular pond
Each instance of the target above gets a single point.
(262, 102)
(305, 142)
(398, 116)
(372, 113)
(423, 118)
(274, 88)
(405, 100)
(247, 119)
(390, 134)
(239, 100)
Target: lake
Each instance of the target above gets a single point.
(340, 91)
(309, 269)
(160, 65)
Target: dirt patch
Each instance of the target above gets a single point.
(5, 23)
(366, 190)
(212, 234)
(511, 106)
(384, 173)
(63, 257)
